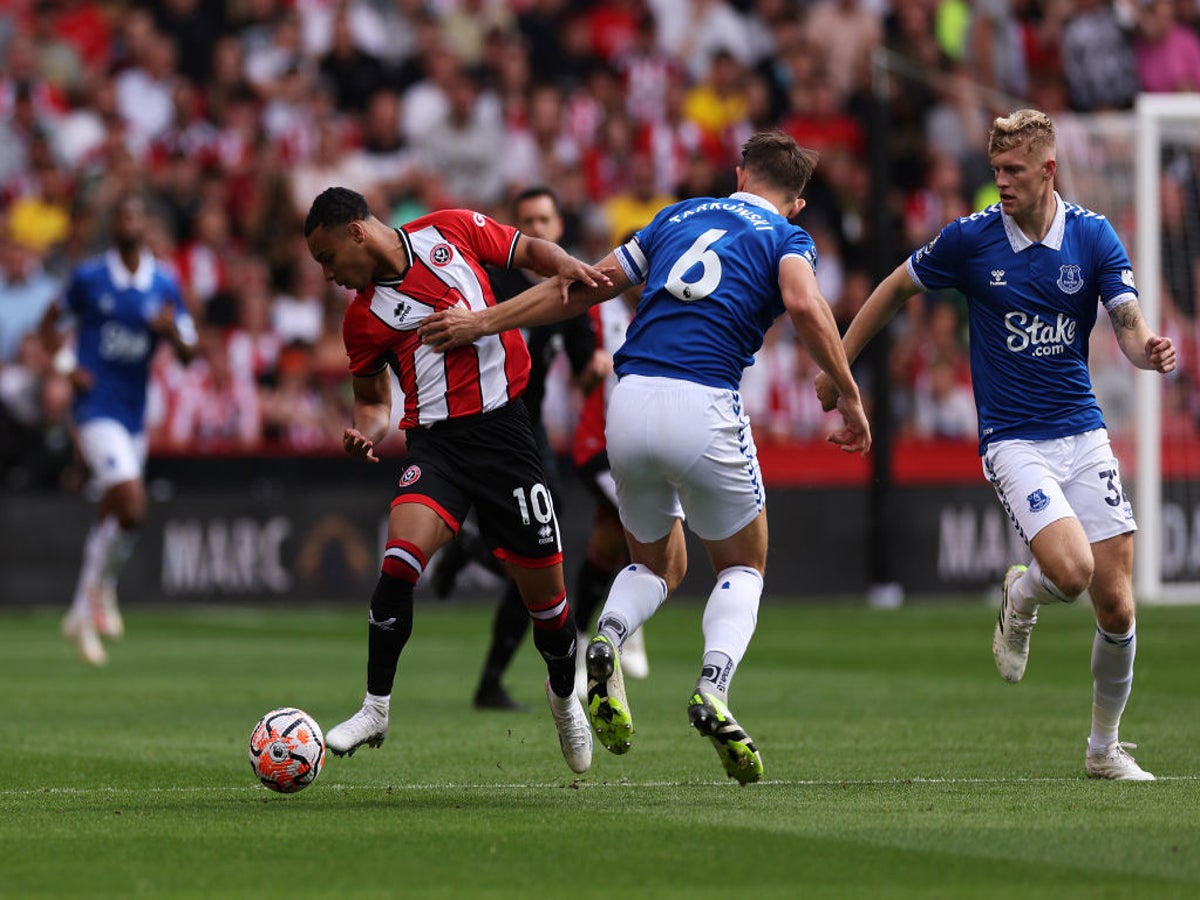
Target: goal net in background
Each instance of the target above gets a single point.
(1142, 170)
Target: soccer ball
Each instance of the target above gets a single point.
(287, 750)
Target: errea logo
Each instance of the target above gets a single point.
(997, 278)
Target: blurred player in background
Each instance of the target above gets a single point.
(607, 552)
(1032, 268)
(717, 273)
(470, 444)
(121, 304)
(536, 213)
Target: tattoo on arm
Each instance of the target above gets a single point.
(1127, 316)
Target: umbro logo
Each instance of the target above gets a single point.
(997, 278)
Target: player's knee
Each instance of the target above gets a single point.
(1071, 575)
(1117, 620)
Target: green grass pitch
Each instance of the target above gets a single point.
(898, 764)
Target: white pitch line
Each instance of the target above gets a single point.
(550, 785)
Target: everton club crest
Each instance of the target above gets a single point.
(1070, 279)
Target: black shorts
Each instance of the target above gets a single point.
(591, 473)
(491, 462)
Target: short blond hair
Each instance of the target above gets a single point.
(1029, 127)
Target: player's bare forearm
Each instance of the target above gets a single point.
(818, 329)
(1140, 345)
(371, 416)
(880, 308)
(548, 259)
(539, 305)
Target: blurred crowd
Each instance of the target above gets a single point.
(231, 115)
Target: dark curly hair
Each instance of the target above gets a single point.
(336, 206)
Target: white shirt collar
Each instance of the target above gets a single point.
(122, 278)
(1018, 240)
(754, 200)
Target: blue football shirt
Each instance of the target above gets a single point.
(711, 268)
(113, 310)
(1031, 308)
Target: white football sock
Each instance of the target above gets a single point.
(635, 595)
(97, 548)
(1112, 671)
(381, 704)
(119, 552)
(729, 620)
(1033, 589)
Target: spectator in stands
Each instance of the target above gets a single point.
(146, 92)
(204, 260)
(194, 27)
(943, 406)
(647, 73)
(1167, 53)
(330, 165)
(1098, 60)
(718, 103)
(354, 75)
(466, 24)
(630, 209)
(695, 32)
(540, 149)
(217, 408)
(462, 148)
(844, 34)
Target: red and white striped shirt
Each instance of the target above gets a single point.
(610, 320)
(448, 250)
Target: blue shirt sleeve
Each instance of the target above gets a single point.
(1114, 270)
(938, 265)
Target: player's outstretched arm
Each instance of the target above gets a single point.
(881, 307)
(1141, 346)
(814, 322)
(548, 259)
(538, 305)
(372, 415)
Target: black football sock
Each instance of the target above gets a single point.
(591, 590)
(508, 630)
(556, 643)
(390, 625)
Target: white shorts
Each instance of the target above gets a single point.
(680, 448)
(112, 454)
(1040, 482)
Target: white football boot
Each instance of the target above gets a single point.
(80, 630)
(367, 726)
(105, 612)
(1010, 639)
(1115, 764)
(574, 735)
